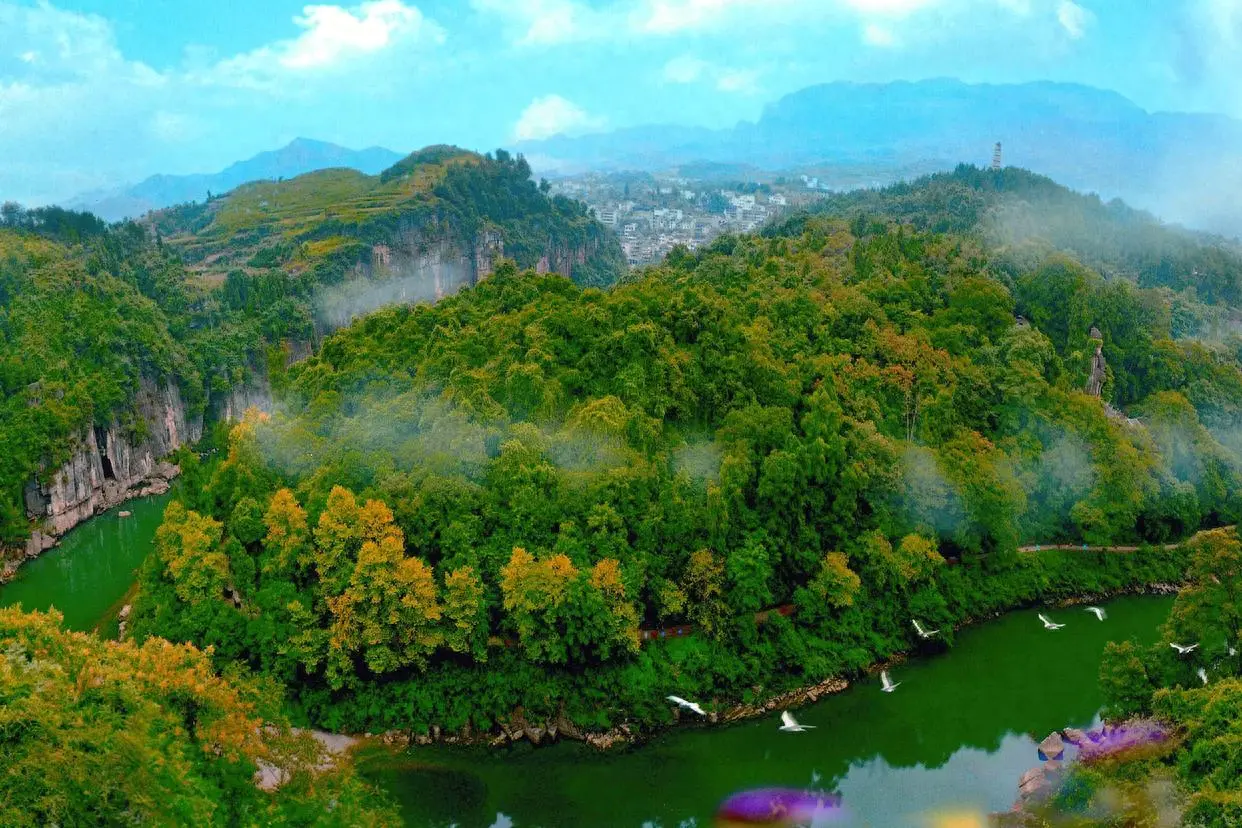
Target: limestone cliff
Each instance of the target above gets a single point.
(409, 267)
(256, 393)
(1099, 367)
(111, 464)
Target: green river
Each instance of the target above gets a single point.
(89, 574)
(953, 738)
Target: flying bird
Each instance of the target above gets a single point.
(1232, 651)
(688, 705)
(1099, 613)
(887, 682)
(790, 725)
(1202, 675)
(1182, 650)
(922, 632)
(1048, 623)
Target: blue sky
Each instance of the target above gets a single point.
(99, 92)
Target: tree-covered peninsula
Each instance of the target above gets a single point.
(479, 509)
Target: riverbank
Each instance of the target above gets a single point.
(518, 727)
(108, 497)
(1064, 750)
(92, 573)
(955, 737)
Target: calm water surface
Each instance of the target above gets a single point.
(88, 576)
(956, 735)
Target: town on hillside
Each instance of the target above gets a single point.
(652, 214)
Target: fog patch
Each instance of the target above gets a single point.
(422, 280)
(580, 451)
(927, 498)
(700, 461)
(378, 432)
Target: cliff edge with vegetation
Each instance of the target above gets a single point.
(119, 344)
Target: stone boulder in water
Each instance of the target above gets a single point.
(1052, 747)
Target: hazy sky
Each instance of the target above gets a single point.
(98, 92)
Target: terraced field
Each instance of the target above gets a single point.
(299, 222)
(318, 227)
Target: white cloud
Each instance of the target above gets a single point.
(690, 69)
(888, 7)
(1073, 18)
(331, 37)
(669, 16)
(174, 127)
(685, 69)
(81, 115)
(548, 22)
(333, 33)
(744, 81)
(880, 36)
(553, 115)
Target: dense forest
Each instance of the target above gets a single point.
(88, 311)
(101, 733)
(475, 507)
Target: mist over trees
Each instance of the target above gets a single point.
(89, 311)
(854, 416)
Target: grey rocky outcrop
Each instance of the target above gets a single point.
(1099, 371)
(111, 464)
(1052, 747)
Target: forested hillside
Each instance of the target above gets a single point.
(100, 733)
(85, 313)
(1022, 217)
(860, 417)
(216, 298)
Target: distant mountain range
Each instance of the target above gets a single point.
(301, 156)
(1184, 167)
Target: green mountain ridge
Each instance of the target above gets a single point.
(217, 298)
(160, 191)
(323, 223)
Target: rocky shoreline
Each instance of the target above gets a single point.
(1118, 742)
(157, 482)
(519, 727)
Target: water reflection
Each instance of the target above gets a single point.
(953, 738)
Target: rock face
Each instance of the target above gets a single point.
(439, 267)
(255, 394)
(417, 265)
(1052, 747)
(1095, 382)
(111, 465)
(1099, 368)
